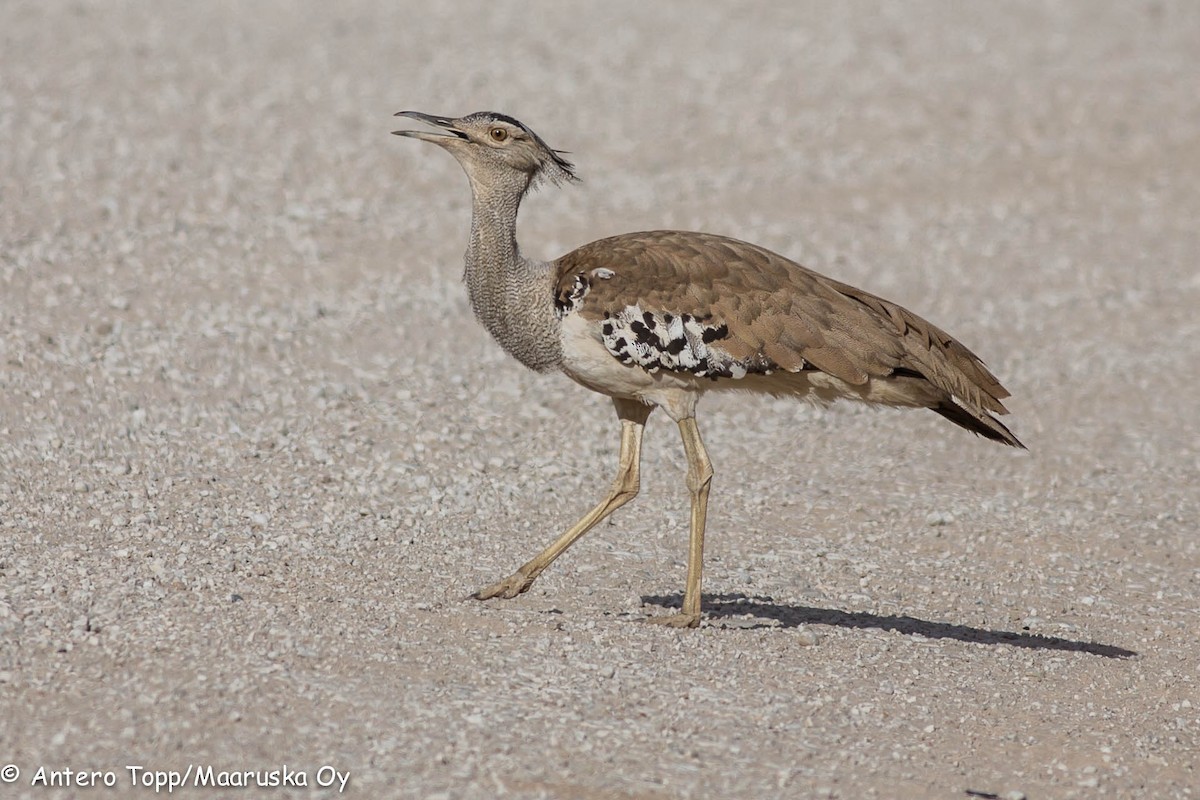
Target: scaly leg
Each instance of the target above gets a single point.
(699, 478)
(633, 415)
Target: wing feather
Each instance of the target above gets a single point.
(770, 312)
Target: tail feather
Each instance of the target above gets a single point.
(983, 424)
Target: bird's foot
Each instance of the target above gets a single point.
(507, 589)
(679, 620)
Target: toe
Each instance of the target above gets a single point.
(676, 620)
(506, 589)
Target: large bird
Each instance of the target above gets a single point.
(658, 318)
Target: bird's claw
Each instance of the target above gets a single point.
(679, 620)
(507, 589)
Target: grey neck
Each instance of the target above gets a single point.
(512, 296)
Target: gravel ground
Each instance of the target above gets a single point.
(253, 449)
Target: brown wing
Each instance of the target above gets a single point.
(720, 307)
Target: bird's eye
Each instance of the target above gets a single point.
(498, 134)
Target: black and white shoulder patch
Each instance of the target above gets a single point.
(676, 342)
(570, 296)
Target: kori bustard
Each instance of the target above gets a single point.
(658, 318)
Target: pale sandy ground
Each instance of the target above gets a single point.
(254, 449)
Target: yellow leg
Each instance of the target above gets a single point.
(633, 415)
(699, 478)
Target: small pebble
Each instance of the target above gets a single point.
(807, 638)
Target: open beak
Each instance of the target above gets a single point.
(446, 124)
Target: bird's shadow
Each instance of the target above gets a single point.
(792, 616)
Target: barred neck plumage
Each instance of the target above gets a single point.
(511, 295)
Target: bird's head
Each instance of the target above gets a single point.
(493, 148)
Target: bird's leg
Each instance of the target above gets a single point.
(633, 415)
(699, 478)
